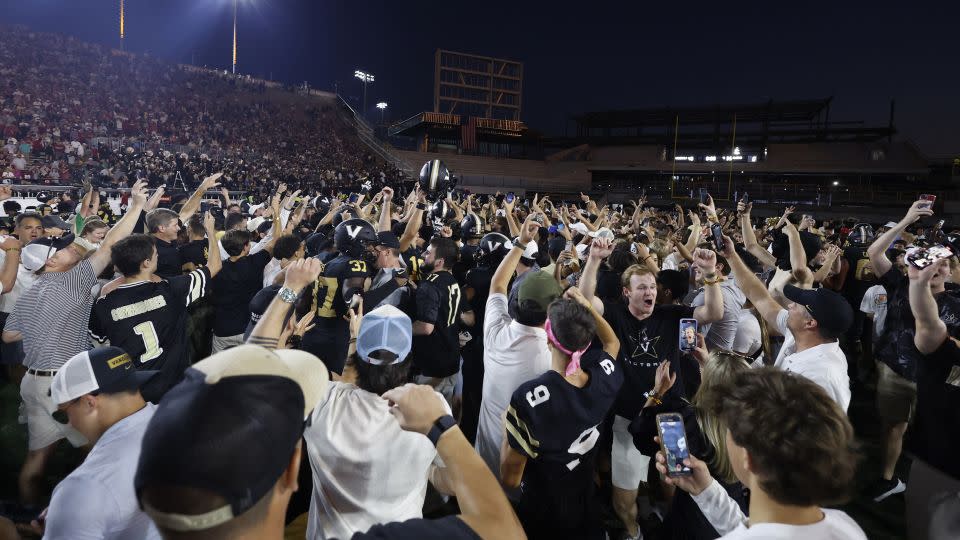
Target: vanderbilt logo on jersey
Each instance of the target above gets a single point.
(644, 346)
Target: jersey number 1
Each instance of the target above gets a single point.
(151, 343)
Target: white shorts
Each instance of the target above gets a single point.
(629, 466)
(37, 410)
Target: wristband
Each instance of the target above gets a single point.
(441, 426)
(517, 244)
(11, 249)
(421, 206)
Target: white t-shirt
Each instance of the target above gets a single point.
(725, 516)
(824, 364)
(748, 338)
(97, 499)
(270, 272)
(366, 469)
(671, 261)
(512, 355)
(875, 302)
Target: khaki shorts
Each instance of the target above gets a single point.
(37, 410)
(896, 396)
(629, 466)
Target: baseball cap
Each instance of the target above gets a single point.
(106, 370)
(829, 309)
(229, 428)
(35, 254)
(54, 221)
(602, 232)
(540, 287)
(385, 329)
(388, 239)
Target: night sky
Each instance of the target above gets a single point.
(577, 56)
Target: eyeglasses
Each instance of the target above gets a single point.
(60, 415)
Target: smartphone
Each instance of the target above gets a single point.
(352, 198)
(559, 226)
(688, 334)
(930, 198)
(807, 217)
(703, 195)
(717, 231)
(923, 257)
(745, 199)
(510, 197)
(673, 443)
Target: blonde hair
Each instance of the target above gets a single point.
(721, 368)
(634, 270)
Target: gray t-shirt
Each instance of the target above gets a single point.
(721, 334)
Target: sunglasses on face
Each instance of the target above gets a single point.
(60, 415)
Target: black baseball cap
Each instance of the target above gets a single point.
(388, 239)
(228, 428)
(107, 370)
(829, 309)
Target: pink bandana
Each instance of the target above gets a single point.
(574, 364)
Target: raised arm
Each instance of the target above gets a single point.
(931, 331)
(831, 264)
(483, 505)
(124, 228)
(501, 278)
(608, 338)
(214, 262)
(383, 223)
(712, 308)
(798, 257)
(11, 263)
(193, 203)
(298, 275)
(599, 250)
(750, 237)
(878, 249)
(752, 287)
(511, 217)
(413, 226)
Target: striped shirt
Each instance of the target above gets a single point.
(53, 316)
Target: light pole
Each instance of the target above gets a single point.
(121, 25)
(366, 78)
(383, 107)
(234, 37)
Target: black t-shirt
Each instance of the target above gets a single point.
(643, 346)
(438, 301)
(169, 262)
(234, 287)
(445, 528)
(608, 285)
(148, 321)
(936, 428)
(556, 426)
(479, 279)
(895, 346)
(194, 252)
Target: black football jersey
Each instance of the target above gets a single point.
(439, 302)
(328, 299)
(414, 260)
(556, 426)
(148, 321)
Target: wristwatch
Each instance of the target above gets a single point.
(440, 427)
(287, 295)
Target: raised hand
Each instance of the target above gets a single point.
(918, 210)
(301, 273)
(5, 192)
(663, 379)
(528, 231)
(138, 193)
(706, 259)
(601, 248)
(416, 407)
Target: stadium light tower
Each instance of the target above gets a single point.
(234, 37)
(367, 78)
(121, 25)
(383, 107)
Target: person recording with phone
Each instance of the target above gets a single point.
(792, 464)
(650, 334)
(894, 350)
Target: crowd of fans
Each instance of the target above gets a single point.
(336, 358)
(71, 110)
(346, 358)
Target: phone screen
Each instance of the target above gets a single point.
(703, 196)
(510, 197)
(717, 231)
(353, 198)
(929, 198)
(688, 334)
(924, 257)
(746, 199)
(673, 441)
